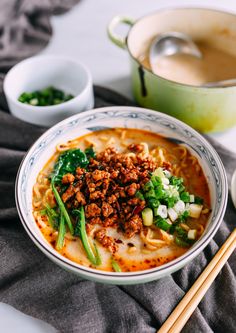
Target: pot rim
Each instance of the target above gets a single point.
(161, 10)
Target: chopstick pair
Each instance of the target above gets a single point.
(178, 318)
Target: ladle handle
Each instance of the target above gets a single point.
(114, 37)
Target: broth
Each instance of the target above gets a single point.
(140, 251)
(215, 65)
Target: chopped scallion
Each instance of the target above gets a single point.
(148, 186)
(185, 197)
(183, 217)
(139, 195)
(147, 216)
(45, 97)
(198, 200)
(180, 242)
(162, 223)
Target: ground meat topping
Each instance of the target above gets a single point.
(106, 209)
(138, 148)
(106, 241)
(69, 193)
(68, 178)
(92, 210)
(80, 198)
(107, 189)
(99, 175)
(133, 225)
(132, 189)
(80, 171)
(95, 220)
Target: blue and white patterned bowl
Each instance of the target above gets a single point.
(127, 117)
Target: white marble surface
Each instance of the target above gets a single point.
(81, 34)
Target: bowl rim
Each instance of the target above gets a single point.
(152, 273)
(34, 108)
(173, 8)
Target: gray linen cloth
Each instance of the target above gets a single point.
(33, 284)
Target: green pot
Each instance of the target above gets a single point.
(205, 109)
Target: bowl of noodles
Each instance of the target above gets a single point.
(121, 195)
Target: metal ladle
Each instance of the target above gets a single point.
(170, 43)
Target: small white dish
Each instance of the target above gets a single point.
(40, 72)
(126, 117)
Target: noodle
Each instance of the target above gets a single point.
(110, 142)
(104, 138)
(183, 151)
(185, 226)
(62, 147)
(151, 242)
(123, 135)
(90, 142)
(200, 230)
(49, 198)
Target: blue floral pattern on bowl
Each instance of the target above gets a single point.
(126, 117)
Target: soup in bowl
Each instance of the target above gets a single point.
(121, 195)
(135, 200)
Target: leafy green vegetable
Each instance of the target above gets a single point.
(45, 97)
(62, 208)
(61, 233)
(77, 225)
(97, 255)
(52, 216)
(90, 153)
(68, 162)
(115, 266)
(81, 231)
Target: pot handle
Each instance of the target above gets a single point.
(115, 38)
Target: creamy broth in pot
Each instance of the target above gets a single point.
(215, 65)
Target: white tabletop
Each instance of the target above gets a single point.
(81, 34)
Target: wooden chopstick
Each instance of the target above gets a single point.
(178, 318)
